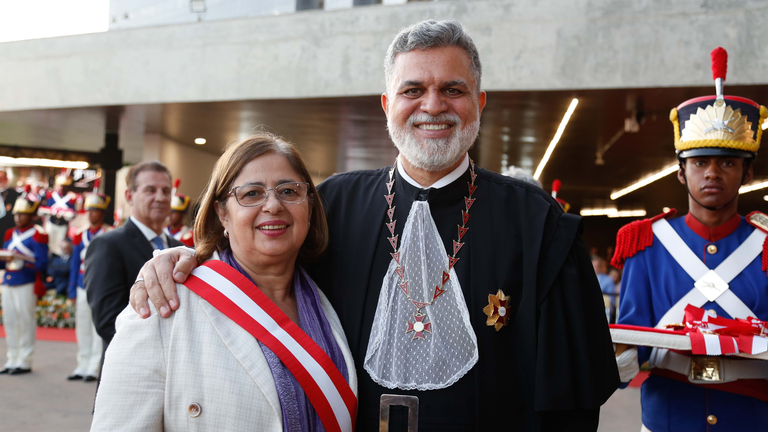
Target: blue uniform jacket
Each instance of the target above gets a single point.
(651, 284)
(38, 244)
(79, 249)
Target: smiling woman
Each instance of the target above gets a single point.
(242, 350)
(269, 162)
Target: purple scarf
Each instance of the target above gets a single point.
(298, 413)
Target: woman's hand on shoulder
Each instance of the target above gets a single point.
(157, 281)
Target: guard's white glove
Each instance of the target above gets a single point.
(627, 363)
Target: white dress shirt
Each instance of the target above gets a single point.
(445, 181)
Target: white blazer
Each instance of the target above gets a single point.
(194, 371)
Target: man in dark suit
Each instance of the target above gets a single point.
(113, 259)
(8, 195)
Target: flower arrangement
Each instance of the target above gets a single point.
(54, 311)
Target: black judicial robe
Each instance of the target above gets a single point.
(551, 368)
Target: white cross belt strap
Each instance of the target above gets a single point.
(709, 285)
(240, 300)
(17, 242)
(60, 202)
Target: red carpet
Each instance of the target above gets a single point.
(637, 382)
(50, 334)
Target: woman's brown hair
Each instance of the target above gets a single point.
(208, 231)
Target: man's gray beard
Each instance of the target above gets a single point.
(434, 154)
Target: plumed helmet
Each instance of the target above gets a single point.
(27, 202)
(718, 125)
(96, 201)
(179, 203)
(63, 179)
(555, 190)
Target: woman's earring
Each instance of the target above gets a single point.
(226, 234)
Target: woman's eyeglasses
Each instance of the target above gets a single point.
(253, 195)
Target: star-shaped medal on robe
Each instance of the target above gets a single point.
(419, 326)
(498, 314)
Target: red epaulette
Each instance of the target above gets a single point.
(8, 234)
(759, 220)
(188, 239)
(40, 235)
(634, 237)
(77, 239)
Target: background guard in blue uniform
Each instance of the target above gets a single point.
(89, 344)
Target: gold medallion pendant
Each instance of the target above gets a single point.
(498, 314)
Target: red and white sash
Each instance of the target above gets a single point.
(241, 301)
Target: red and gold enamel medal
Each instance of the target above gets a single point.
(419, 326)
(498, 315)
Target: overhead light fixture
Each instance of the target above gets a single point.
(53, 163)
(753, 187)
(556, 138)
(665, 209)
(765, 198)
(627, 213)
(645, 182)
(611, 212)
(200, 141)
(597, 211)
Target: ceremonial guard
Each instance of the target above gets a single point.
(179, 206)
(25, 257)
(89, 343)
(711, 258)
(60, 209)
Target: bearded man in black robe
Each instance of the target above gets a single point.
(468, 289)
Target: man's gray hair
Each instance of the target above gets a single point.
(433, 34)
(521, 174)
